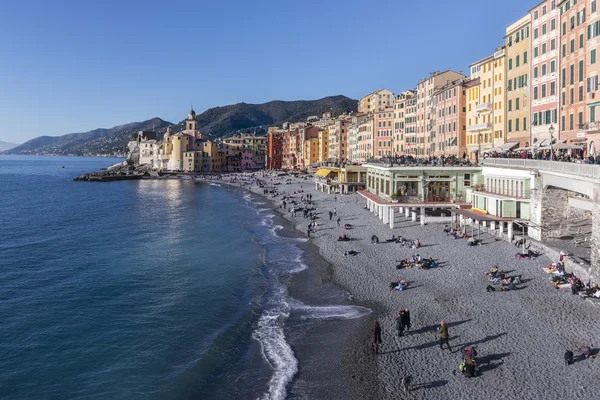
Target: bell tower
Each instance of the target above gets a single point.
(191, 124)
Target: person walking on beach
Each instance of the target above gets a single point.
(405, 317)
(399, 326)
(335, 198)
(376, 337)
(338, 221)
(330, 215)
(443, 332)
(335, 212)
(308, 232)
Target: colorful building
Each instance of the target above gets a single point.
(383, 133)
(364, 140)
(323, 145)
(518, 56)
(376, 101)
(592, 125)
(545, 44)
(400, 103)
(275, 148)
(410, 125)
(338, 138)
(426, 116)
(450, 102)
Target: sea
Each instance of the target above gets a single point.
(159, 289)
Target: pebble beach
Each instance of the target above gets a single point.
(521, 335)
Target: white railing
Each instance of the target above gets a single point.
(479, 127)
(483, 107)
(584, 170)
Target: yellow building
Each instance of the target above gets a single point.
(323, 153)
(311, 152)
(398, 142)
(376, 101)
(475, 135)
(518, 57)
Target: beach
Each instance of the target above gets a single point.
(520, 335)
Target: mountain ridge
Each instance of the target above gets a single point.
(217, 122)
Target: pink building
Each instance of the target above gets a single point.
(450, 102)
(383, 133)
(248, 163)
(545, 45)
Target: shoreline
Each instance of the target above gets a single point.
(358, 366)
(521, 335)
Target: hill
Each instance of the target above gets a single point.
(220, 121)
(217, 122)
(6, 146)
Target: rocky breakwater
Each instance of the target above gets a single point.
(118, 172)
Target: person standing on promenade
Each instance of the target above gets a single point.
(376, 337)
(443, 332)
(405, 319)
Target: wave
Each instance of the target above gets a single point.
(214, 184)
(276, 350)
(328, 312)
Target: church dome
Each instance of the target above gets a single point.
(192, 114)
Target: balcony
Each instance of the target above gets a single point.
(480, 127)
(483, 107)
(590, 126)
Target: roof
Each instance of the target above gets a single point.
(478, 216)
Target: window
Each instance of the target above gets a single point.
(525, 58)
(580, 119)
(535, 72)
(564, 98)
(581, 41)
(467, 179)
(535, 14)
(517, 125)
(571, 122)
(536, 52)
(525, 124)
(564, 28)
(553, 24)
(544, 48)
(544, 10)
(572, 74)
(543, 69)
(544, 29)
(510, 105)
(517, 61)
(535, 33)
(553, 44)
(552, 88)
(510, 64)
(510, 125)
(581, 93)
(543, 91)
(564, 50)
(571, 96)
(593, 56)
(593, 6)
(535, 93)
(509, 88)
(564, 77)
(572, 46)
(592, 114)
(581, 71)
(563, 125)
(517, 103)
(552, 66)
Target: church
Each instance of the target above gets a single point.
(188, 150)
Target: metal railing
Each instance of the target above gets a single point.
(585, 170)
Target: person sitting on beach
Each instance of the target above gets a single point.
(418, 244)
(350, 253)
(393, 239)
(374, 239)
(343, 238)
(347, 226)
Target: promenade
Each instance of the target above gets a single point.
(520, 335)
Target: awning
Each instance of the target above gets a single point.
(325, 171)
(578, 140)
(477, 216)
(594, 104)
(508, 146)
(541, 143)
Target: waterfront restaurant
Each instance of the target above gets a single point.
(429, 192)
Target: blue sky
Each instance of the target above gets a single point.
(71, 66)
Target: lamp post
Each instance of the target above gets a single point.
(551, 131)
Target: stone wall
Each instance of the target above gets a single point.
(554, 212)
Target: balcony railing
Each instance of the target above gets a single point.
(585, 170)
(590, 126)
(483, 107)
(479, 127)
